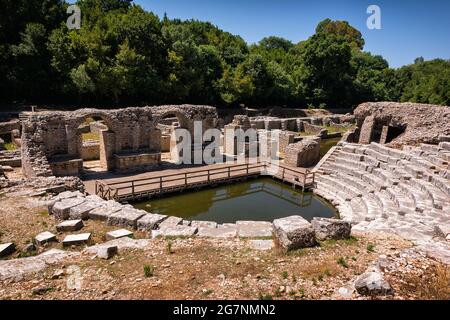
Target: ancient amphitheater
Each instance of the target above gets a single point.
(388, 174)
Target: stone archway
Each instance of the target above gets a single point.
(164, 121)
(106, 146)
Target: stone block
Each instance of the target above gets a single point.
(103, 212)
(254, 229)
(175, 231)
(149, 222)
(117, 234)
(445, 145)
(294, 233)
(70, 226)
(365, 136)
(170, 222)
(82, 211)
(262, 245)
(326, 229)
(203, 224)
(442, 231)
(44, 237)
(373, 284)
(305, 153)
(127, 217)
(61, 209)
(222, 231)
(67, 195)
(105, 251)
(77, 239)
(6, 249)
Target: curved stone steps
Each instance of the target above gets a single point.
(374, 181)
(354, 164)
(350, 156)
(393, 153)
(359, 208)
(335, 167)
(334, 181)
(344, 209)
(441, 163)
(388, 177)
(372, 161)
(442, 183)
(330, 190)
(390, 207)
(398, 172)
(374, 210)
(404, 204)
(403, 191)
(354, 182)
(380, 158)
(438, 198)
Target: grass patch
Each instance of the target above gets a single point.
(91, 136)
(168, 238)
(149, 271)
(301, 292)
(169, 247)
(24, 254)
(207, 292)
(88, 120)
(336, 129)
(285, 275)
(43, 213)
(9, 146)
(256, 238)
(370, 247)
(297, 253)
(342, 262)
(351, 241)
(265, 296)
(278, 293)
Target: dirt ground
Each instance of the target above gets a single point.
(196, 268)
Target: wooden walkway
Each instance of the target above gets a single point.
(156, 185)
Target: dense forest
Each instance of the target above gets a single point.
(125, 55)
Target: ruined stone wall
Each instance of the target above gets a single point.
(9, 126)
(55, 136)
(91, 150)
(305, 153)
(421, 123)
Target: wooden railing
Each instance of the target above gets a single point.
(176, 181)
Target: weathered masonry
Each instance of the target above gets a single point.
(400, 124)
(52, 141)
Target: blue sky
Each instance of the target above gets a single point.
(409, 28)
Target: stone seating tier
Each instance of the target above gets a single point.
(376, 187)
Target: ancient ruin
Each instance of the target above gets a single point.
(375, 188)
(130, 140)
(400, 124)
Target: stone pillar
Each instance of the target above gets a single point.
(365, 137)
(73, 147)
(384, 134)
(155, 141)
(107, 150)
(230, 140)
(286, 138)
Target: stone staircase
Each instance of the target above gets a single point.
(378, 188)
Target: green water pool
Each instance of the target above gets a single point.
(327, 144)
(262, 199)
